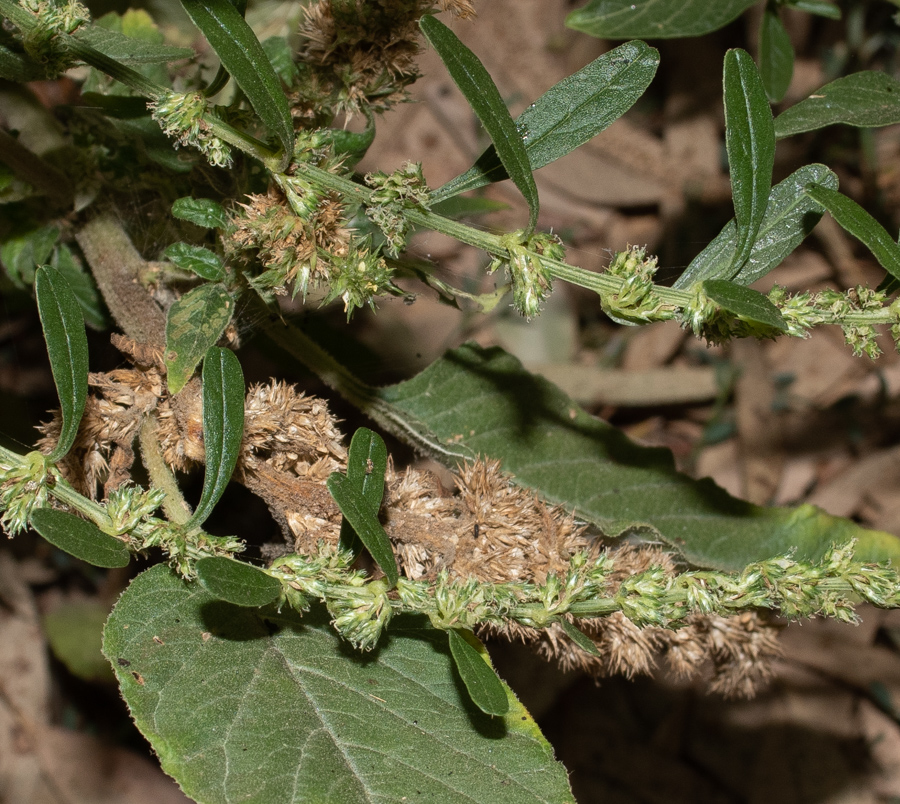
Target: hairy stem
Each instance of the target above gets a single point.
(161, 477)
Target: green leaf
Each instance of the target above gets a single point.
(223, 426)
(128, 49)
(485, 689)
(657, 19)
(21, 254)
(79, 538)
(854, 219)
(776, 55)
(74, 629)
(745, 303)
(67, 348)
(194, 323)
(357, 510)
(569, 113)
(469, 74)
(201, 212)
(352, 144)
(366, 465)
(242, 55)
(18, 67)
(477, 401)
(862, 99)
(83, 286)
(196, 259)
(244, 708)
(580, 638)
(822, 8)
(281, 56)
(790, 216)
(750, 141)
(237, 582)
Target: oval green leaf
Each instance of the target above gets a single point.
(854, 219)
(358, 512)
(242, 708)
(476, 84)
(580, 638)
(485, 689)
(776, 55)
(654, 19)
(569, 113)
(750, 142)
(67, 348)
(242, 55)
(237, 582)
(790, 216)
(223, 426)
(863, 99)
(745, 303)
(476, 401)
(196, 259)
(194, 323)
(21, 254)
(202, 212)
(366, 465)
(80, 538)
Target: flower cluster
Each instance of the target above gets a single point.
(53, 17)
(180, 116)
(805, 310)
(394, 192)
(24, 488)
(531, 282)
(636, 302)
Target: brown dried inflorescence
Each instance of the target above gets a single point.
(489, 529)
(288, 246)
(362, 53)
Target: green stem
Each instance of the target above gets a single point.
(161, 476)
(62, 491)
(605, 285)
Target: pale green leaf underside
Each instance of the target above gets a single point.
(790, 216)
(659, 19)
(862, 99)
(481, 401)
(569, 114)
(280, 711)
(130, 49)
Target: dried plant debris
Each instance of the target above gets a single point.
(488, 530)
